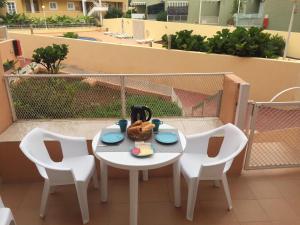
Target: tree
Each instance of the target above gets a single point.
(50, 57)
(162, 16)
(2, 3)
(113, 12)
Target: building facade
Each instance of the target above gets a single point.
(224, 12)
(73, 8)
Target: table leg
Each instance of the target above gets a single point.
(176, 184)
(134, 185)
(103, 181)
(145, 175)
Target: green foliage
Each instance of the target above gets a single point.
(235, 6)
(185, 40)
(49, 98)
(162, 16)
(128, 13)
(41, 98)
(15, 19)
(71, 35)
(3, 3)
(22, 19)
(9, 64)
(113, 12)
(50, 57)
(252, 42)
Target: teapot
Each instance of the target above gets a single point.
(139, 112)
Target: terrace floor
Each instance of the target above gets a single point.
(259, 198)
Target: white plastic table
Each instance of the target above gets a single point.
(124, 160)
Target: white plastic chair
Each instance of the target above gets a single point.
(196, 165)
(6, 216)
(76, 167)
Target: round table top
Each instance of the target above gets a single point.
(124, 160)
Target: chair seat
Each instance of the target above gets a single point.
(5, 216)
(191, 163)
(82, 166)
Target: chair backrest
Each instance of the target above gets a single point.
(233, 143)
(34, 148)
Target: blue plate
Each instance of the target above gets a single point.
(166, 138)
(112, 138)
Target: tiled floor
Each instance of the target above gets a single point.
(259, 198)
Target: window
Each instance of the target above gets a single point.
(70, 6)
(11, 7)
(53, 5)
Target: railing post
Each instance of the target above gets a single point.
(123, 96)
(251, 134)
(242, 104)
(12, 107)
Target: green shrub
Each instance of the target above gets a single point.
(252, 42)
(50, 57)
(15, 19)
(113, 12)
(162, 16)
(128, 13)
(71, 35)
(22, 19)
(9, 64)
(184, 40)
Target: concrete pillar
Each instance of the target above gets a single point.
(83, 7)
(5, 112)
(32, 6)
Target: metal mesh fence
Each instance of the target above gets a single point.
(112, 95)
(274, 136)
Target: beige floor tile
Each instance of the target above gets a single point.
(214, 212)
(154, 190)
(239, 189)
(289, 188)
(263, 189)
(249, 211)
(285, 223)
(183, 189)
(257, 223)
(207, 191)
(162, 213)
(118, 214)
(295, 205)
(119, 191)
(13, 194)
(278, 210)
(257, 201)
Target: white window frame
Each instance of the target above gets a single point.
(7, 8)
(72, 8)
(56, 8)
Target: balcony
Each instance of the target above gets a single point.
(191, 102)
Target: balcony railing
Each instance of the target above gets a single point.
(248, 20)
(180, 18)
(213, 20)
(45, 96)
